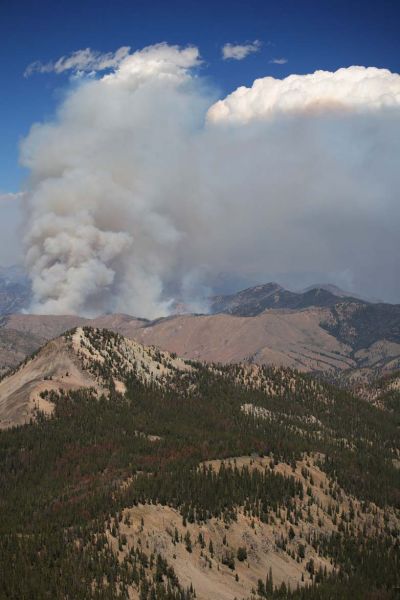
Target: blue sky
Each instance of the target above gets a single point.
(309, 34)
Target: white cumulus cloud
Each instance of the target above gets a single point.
(240, 51)
(352, 88)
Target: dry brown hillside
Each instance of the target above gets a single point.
(303, 339)
(85, 358)
(281, 545)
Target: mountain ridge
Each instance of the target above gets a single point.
(254, 300)
(85, 357)
(342, 335)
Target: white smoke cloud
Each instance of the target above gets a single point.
(143, 190)
(278, 61)
(99, 233)
(11, 197)
(80, 61)
(240, 51)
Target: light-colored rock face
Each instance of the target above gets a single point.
(71, 362)
(123, 355)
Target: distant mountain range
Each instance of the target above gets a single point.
(15, 295)
(312, 331)
(15, 290)
(254, 300)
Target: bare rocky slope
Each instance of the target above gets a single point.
(271, 545)
(84, 358)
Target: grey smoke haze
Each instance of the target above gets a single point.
(143, 189)
(10, 228)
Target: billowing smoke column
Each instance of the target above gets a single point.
(142, 190)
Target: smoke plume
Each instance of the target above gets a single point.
(144, 189)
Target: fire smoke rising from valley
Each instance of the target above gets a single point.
(144, 189)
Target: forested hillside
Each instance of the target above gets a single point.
(221, 482)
